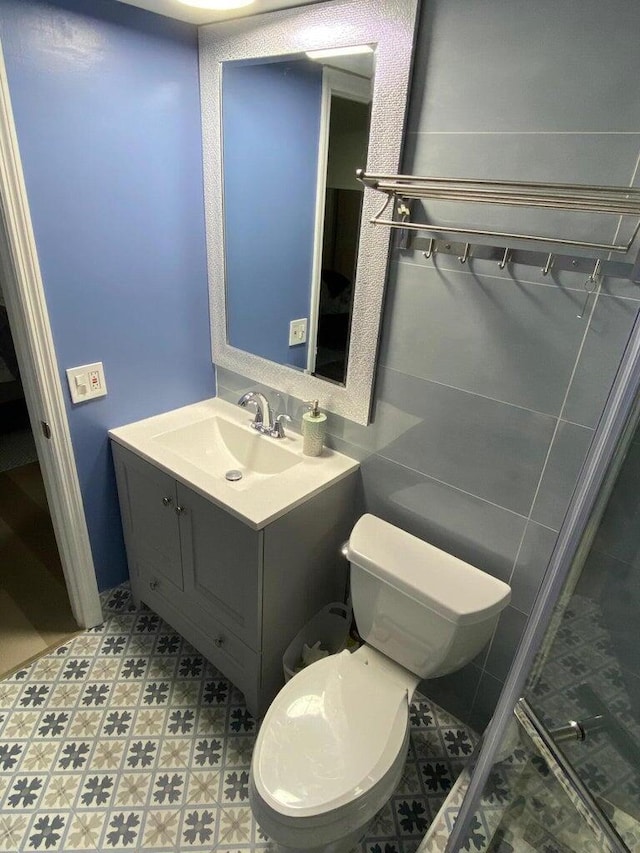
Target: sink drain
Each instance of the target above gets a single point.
(233, 475)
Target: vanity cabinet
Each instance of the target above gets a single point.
(237, 593)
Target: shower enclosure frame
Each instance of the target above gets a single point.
(617, 414)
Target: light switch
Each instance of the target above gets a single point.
(86, 382)
(80, 381)
(297, 332)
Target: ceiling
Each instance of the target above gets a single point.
(173, 9)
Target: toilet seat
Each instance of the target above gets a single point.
(331, 734)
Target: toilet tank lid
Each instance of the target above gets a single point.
(447, 585)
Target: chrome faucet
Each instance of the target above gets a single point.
(264, 421)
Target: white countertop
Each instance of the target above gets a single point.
(257, 499)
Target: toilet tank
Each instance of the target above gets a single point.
(426, 609)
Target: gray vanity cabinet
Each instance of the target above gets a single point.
(238, 594)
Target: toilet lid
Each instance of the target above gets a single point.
(331, 733)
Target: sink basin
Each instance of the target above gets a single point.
(199, 444)
(220, 444)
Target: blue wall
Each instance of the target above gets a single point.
(106, 102)
(271, 119)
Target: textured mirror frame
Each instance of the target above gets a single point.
(390, 25)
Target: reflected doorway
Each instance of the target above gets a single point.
(348, 141)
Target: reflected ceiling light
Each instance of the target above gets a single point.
(216, 4)
(328, 52)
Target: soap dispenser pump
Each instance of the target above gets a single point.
(314, 426)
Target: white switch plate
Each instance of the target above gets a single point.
(86, 382)
(297, 332)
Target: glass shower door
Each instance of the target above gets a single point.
(567, 779)
(585, 687)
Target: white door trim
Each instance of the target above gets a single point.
(27, 309)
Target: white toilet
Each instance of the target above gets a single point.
(332, 746)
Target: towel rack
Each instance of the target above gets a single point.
(579, 198)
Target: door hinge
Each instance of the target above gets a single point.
(46, 429)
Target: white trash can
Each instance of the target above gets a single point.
(330, 626)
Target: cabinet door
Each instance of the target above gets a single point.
(148, 502)
(222, 560)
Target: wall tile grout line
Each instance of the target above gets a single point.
(567, 392)
(551, 444)
(451, 486)
(621, 218)
(484, 396)
(559, 420)
(635, 171)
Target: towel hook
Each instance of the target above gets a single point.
(430, 249)
(463, 257)
(594, 280)
(505, 259)
(548, 265)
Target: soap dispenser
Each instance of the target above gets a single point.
(314, 427)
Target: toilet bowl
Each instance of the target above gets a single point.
(332, 746)
(331, 750)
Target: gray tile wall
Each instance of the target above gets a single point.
(489, 386)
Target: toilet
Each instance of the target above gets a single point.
(332, 746)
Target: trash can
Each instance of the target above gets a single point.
(330, 627)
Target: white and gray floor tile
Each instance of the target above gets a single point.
(125, 738)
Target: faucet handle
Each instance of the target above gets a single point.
(279, 425)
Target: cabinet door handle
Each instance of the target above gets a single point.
(218, 641)
(154, 584)
(180, 509)
(167, 501)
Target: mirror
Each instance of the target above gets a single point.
(307, 116)
(296, 270)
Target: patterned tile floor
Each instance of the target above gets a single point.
(126, 739)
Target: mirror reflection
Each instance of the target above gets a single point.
(294, 131)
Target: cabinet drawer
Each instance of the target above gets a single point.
(234, 659)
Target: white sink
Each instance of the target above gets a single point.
(200, 444)
(218, 444)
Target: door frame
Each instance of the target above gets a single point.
(27, 309)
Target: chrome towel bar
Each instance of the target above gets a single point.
(577, 198)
